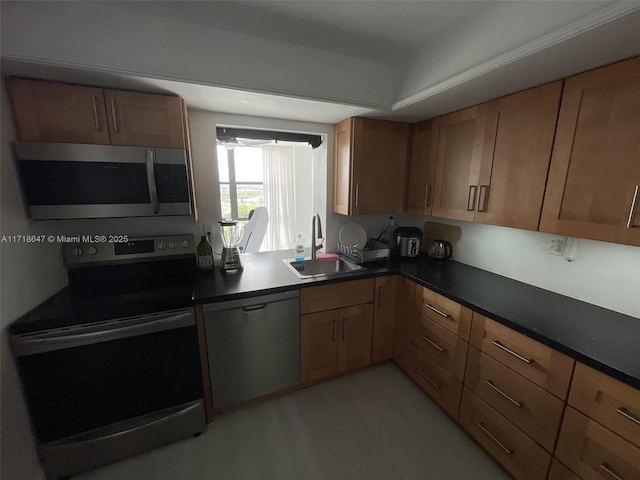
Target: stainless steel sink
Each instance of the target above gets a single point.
(321, 267)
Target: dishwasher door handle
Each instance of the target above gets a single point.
(254, 308)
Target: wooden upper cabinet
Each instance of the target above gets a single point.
(457, 164)
(145, 120)
(594, 178)
(55, 112)
(518, 138)
(369, 166)
(422, 166)
(63, 113)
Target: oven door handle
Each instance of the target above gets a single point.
(151, 180)
(104, 332)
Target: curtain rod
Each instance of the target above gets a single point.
(225, 134)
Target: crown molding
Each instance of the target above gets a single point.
(594, 20)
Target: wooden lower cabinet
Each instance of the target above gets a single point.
(319, 345)
(439, 384)
(383, 318)
(354, 344)
(543, 365)
(528, 406)
(403, 353)
(444, 311)
(522, 457)
(610, 402)
(440, 345)
(594, 452)
(335, 341)
(560, 472)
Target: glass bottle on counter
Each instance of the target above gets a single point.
(299, 249)
(204, 253)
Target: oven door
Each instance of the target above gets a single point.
(62, 180)
(85, 378)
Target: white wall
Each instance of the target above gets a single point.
(605, 274)
(29, 273)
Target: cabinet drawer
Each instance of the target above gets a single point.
(608, 401)
(336, 295)
(541, 364)
(446, 313)
(560, 472)
(439, 384)
(528, 406)
(594, 452)
(516, 452)
(446, 349)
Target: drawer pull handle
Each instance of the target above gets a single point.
(426, 377)
(439, 312)
(634, 207)
(628, 415)
(528, 361)
(434, 345)
(94, 102)
(114, 116)
(607, 468)
(508, 451)
(515, 402)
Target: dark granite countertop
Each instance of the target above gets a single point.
(606, 340)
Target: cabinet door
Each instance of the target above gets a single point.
(457, 164)
(422, 167)
(383, 318)
(342, 167)
(380, 150)
(354, 344)
(56, 112)
(403, 355)
(144, 120)
(319, 345)
(594, 178)
(515, 160)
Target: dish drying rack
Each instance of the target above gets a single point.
(373, 250)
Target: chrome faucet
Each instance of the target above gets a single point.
(314, 247)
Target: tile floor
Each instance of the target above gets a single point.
(372, 425)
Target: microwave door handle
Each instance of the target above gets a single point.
(151, 180)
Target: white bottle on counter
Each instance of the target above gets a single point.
(299, 249)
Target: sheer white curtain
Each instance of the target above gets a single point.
(279, 197)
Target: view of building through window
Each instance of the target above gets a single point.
(241, 174)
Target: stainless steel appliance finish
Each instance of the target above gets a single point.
(321, 267)
(253, 345)
(65, 180)
(407, 241)
(104, 385)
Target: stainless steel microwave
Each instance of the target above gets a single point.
(66, 180)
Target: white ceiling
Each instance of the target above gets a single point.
(318, 61)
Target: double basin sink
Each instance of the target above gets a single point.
(322, 267)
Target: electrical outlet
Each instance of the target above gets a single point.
(556, 246)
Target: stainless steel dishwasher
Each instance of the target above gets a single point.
(253, 346)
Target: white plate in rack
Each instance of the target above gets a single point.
(352, 235)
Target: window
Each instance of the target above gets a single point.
(241, 181)
(273, 170)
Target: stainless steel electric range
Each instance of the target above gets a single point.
(110, 366)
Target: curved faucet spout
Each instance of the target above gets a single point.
(314, 248)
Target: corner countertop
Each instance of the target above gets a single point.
(603, 339)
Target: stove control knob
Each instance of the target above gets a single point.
(76, 252)
(184, 244)
(92, 250)
(172, 245)
(162, 245)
